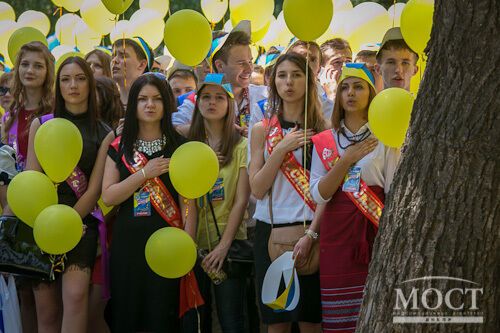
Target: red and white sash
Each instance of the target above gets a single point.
(366, 200)
(165, 205)
(297, 175)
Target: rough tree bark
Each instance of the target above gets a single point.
(442, 217)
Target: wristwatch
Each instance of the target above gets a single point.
(311, 234)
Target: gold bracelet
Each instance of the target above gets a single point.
(143, 173)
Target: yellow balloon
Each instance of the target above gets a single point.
(259, 34)
(416, 23)
(72, 5)
(58, 229)
(65, 56)
(58, 3)
(188, 36)
(22, 36)
(170, 252)
(214, 10)
(160, 6)
(42, 194)
(389, 115)
(256, 11)
(417, 78)
(7, 12)
(35, 19)
(193, 169)
(117, 7)
(308, 20)
(146, 23)
(105, 209)
(58, 147)
(97, 17)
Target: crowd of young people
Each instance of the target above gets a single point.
(291, 152)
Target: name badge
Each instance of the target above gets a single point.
(142, 204)
(217, 193)
(352, 180)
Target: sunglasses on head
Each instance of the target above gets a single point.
(4, 91)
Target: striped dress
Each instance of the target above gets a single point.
(346, 242)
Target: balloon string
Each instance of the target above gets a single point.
(305, 126)
(186, 204)
(394, 14)
(124, 63)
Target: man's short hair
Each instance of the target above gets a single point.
(312, 45)
(235, 38)
(366, 54)
(337, 44)
(395, 44)
(137, 49)
(184, 74)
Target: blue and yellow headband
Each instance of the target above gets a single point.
(358, 70)
(145, 48)
(216, 79)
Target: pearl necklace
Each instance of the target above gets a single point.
(150, 147)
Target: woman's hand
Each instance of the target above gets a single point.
(359, 150)
(295, 139)
(215, 259)
(301, 250)
(156, 167)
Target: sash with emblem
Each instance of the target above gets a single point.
(366, 200)
(291, 168)
(166, 207)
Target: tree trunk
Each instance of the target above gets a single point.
(442, 217)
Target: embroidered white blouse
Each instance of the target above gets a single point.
(377, 168)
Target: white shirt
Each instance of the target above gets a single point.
(185, 110)
(288, 205)
(377, 168)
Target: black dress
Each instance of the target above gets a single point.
(141, 300)
(83, 255)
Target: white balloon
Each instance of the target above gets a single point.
(86, 38)
(60, 50)
(149, 25)
(395, 13)
(161, 6)
(64, 28)
(228, 26)
(7, 12)
(35, 19)
(7, 28)
(363, 13)
(121, 30)
(337, 26)
(340, 5)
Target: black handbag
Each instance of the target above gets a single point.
(19, 254)
(239, 259)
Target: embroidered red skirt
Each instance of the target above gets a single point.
(346, 243)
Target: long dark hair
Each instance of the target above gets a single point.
(131, 124)
(230, 135)
(110, 106)
(338, 111)
(18, 91)
(315, 118)
(60, 104)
